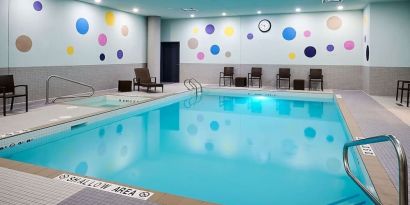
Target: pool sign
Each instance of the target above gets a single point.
(105, 186)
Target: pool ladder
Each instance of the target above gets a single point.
(403, 178)
(193, 84)
(67, 96)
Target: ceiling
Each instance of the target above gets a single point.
(213, 8)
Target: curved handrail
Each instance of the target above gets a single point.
(196, 81)
(403, 178)
(68, 96)
(193, 83)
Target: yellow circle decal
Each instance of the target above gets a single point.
(110, 18)
(70, 50)
(292, 56)
(229, 31)
(195, 30)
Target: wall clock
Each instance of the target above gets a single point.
(264, 25)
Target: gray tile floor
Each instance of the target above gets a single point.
(373, 119)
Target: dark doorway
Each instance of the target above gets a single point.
(170, 62)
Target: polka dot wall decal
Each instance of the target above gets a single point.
(289, 33)
(200, 56)
(70, 50)
(210, 29)
(193, 43)
(102, 56)
(124, 30)
(330, 48)
(209, 146)
(228, 54)
(249, 36)
(102, 39)
(192, 129)
(330, 138)
(349, 45)
(229, 31)
(310, 132)
(367, 53)
(200, 118)
(120, 54)
(307, 34)
(215, 49)
(365, 38)
(82, 26)
(310, 51)
(119, 129)
(334, 23)
(110, 18)
(24, 43)
(195, 30)
(214, 125)
(38, 6)
(292, 56)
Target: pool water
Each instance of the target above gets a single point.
(233, 150)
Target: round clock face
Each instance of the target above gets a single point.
(264, 25)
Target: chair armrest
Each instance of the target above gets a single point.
(25, 87)
(221, 74)
(3, 90)
(155, 79)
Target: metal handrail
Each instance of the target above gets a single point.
(402, 161)
(200, 85)
(68, 96)
(193, 83)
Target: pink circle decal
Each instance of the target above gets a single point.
(102, 39)
(349, 45)
(200, 56)
(307, 33)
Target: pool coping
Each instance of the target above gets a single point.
(377, 174)
(382, 183)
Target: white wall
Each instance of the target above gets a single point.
(389, 33)
(154, 46)
(271, 47)
(3, 33)
(53, 29)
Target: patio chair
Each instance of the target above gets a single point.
(8, 90)
(144, 79)
(284, 74)
(256, 73)
(316, 77)
(227, 74)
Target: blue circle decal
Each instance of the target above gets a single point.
(102, 56)
(310, 133)
(38, 6)
(289, 33)
(330, 138)
(310, 51)
(120, 54)
(82, 26)
(214, 126)
(215, 49)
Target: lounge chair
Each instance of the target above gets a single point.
(8, 90)
(316, 76)
(284, 74)
(256, 73)
(144, 79)
(227, 74)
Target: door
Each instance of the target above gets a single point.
(170, 62)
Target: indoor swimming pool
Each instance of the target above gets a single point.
(218, 147)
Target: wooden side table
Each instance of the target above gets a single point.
(240, 82)
(298, 84)
(124, 86)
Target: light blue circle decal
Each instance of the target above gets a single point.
(310, 133)
(330, 138)
(214, 126)
(289, 33)
(192, 129)
(101, 133)
(82, 26)
(215, 49)
(209, 146)
(81, 168)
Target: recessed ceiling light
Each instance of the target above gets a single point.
(97, 1)
(340, 7)
(192, 15)
(135, 10)
(223, 14)
(298, 9)
(259, 12)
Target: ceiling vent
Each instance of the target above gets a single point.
(189, 9)
(331, 1)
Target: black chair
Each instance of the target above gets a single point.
(227, 74)
(8, 90)
(284, 74)
(316, 77)
(256, 73)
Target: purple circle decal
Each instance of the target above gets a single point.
(200, 56)
(102, 39)
(210, 29)
(307, 33)
(330, 48)
(349, 45)
(38, 6)
(249, 36)
(310, 51)
(102, 56)
(120, 54)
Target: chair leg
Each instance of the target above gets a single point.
(138, 87)
(401, 96)
(249, 82)
(260, 82)
(26, 102)
(12, 103)
(310, 84)
(321, 84)
(289, 84)
(219, 81)
(397, 90)
(408, 92)
(4, 106)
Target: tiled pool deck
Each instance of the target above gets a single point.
(364, 116)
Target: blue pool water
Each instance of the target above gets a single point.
(243, 150)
